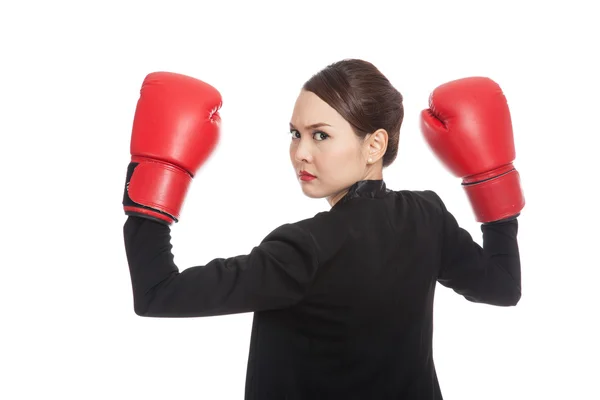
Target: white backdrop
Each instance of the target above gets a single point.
(71, 74)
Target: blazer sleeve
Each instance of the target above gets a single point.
(275, 274)
(490, 274)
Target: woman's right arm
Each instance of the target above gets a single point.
(490, 274)
(273, 275)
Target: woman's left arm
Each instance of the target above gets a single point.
(275, 274)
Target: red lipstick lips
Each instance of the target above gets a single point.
(305, 176)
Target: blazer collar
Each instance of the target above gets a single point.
(373, 189)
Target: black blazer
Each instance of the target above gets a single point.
(342, 301)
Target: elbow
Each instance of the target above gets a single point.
(512, 297)
(141, 309)
(155, 307)
(516, 297)
(149, 303)
(505, 298)
(142, 306)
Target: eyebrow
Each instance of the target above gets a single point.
(313, 126)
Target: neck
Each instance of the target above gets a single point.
(373, 174)
(336, 197)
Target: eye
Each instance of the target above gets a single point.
(321, 135)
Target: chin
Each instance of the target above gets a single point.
(312, 193)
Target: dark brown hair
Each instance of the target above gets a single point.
(364, 97)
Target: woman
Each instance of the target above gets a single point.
(342, 301)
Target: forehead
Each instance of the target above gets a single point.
(310, 109)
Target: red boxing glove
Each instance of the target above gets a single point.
(175, 129)
(468, 126)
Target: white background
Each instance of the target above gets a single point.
(70, 79)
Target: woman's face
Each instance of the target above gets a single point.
(323, 144)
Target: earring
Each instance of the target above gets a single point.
(370, 160)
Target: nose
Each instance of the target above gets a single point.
(301, 150)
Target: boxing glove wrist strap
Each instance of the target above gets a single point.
(155, 189)
(493, 174)
(495, 197)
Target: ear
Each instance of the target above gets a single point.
(376, 145)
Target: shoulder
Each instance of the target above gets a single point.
(311, 232)
(319, 225)
(324, 224)
(423, 198)
(329, 233)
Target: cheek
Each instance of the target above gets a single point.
(341, 157)
(347, 165)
